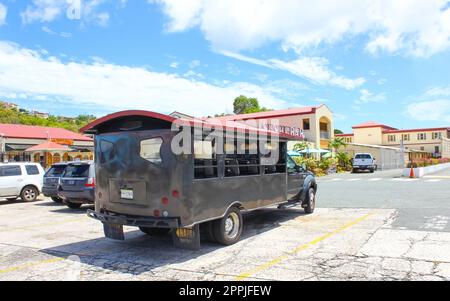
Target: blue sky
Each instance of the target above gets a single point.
(381, 60)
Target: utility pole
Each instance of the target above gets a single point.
(402, 152)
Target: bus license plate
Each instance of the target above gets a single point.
(126, 194)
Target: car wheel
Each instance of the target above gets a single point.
(29, 194)
(310, 201)
(228, 230)
(372, 171)
(57, 199)
(155, 231)
(354, 170)
(73, 205)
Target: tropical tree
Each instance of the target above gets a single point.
(245, 105)
(337, 143)
(300, 146)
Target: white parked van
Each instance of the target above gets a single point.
(22, 180)
(364, 162)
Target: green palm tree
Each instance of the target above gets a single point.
(300, 146)
(336, 144)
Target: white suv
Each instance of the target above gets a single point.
(22, 180)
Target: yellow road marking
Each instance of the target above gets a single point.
(31, 264)
(277, 260)
(44, 225)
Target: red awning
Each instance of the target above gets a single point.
(48, 147)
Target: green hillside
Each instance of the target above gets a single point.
(24, 117)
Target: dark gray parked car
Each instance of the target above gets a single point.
(51, 181)
(77, 185)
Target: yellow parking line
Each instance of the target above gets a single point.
(44, 225)
(277, 260)
(31, 264)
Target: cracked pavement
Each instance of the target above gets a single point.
(399, 230)
(46, 241)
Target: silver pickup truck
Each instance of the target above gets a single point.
(364, 162)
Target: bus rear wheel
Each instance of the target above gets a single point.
(155, 231)
(228, 230)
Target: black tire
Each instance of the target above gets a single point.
(56, 199)
(372, 170)
(310, 201)
(155, 231)
(228, 230)
(73, 205)
(354, 170)
(29, 194)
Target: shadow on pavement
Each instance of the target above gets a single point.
(141, 253)
(18, 201)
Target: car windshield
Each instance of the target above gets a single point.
(363, 157)
(56, 171)
(77, 171)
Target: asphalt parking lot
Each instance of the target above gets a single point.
(367, 227)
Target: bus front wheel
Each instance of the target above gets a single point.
(228, 230)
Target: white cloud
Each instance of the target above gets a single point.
(183, 13)
(438, 91)
(194, 64)
(46, 11)
(435, 110)
(369, 97)
(413, 27)
(3, 13)
(314, 69)
(104, 85)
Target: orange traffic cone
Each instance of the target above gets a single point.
(411, 173)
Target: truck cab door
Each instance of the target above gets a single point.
(295, 178)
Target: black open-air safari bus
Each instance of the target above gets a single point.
(144, 180)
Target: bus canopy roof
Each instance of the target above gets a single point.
(213, 123)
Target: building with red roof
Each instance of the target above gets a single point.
(43, 144)
(313, 124)
(434, 141)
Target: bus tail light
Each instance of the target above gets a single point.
(156, 213)
(165, 201)
(175, 194)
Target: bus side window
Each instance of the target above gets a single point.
(205, 159)
(242, 159)
(274, 158)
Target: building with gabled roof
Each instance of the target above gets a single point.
(433, 141)
(313, 124)
(18, 144)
